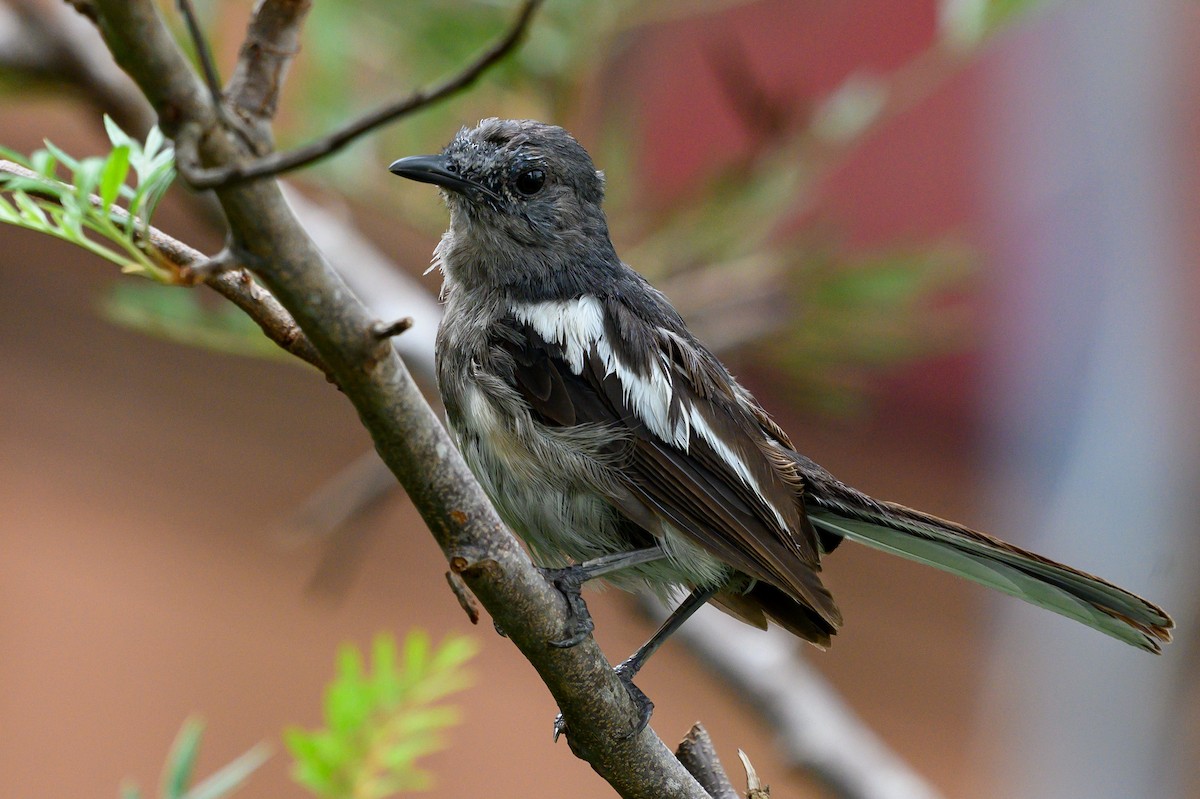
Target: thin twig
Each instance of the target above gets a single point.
(237, 285)
(766, 115)
(755, 789)
(277, 163)
(698, 755)
(212, 79)
(203, 51)
(463, 594)
(382, 330)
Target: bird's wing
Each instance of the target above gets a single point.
(700, 459)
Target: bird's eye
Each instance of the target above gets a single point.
(530, 181)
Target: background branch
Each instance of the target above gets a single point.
(819, 733)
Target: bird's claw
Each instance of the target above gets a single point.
(569, 582)
(645, 708)
(642, 702)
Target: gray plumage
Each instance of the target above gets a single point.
(598, 424)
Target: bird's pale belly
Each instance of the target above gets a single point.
(553, 499)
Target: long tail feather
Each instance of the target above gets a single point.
(982, 559)
(841, 511)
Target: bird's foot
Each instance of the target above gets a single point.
(569, 582)
(570, 579)
(640, 701)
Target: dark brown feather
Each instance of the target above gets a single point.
(695, 491)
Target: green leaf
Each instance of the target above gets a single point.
(72, 216)
(63, 158)
(31, 213)
(385, 677)
(15, 157)
(118, 137)
(112, 176)
(43, 162)
(33, 185)
(400, 755)
(231, 775)
(317, 777)
(420, 720)
(86, 177)
(454, 652)
(416, 654)
(154, 141)
(349, 663)
(182, 759)
(347, 705)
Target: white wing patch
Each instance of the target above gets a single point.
(573, 324)
(577, 326)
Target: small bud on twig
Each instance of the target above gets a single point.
(383, 331)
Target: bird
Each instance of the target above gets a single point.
(617, 446)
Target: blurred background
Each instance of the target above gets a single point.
(950, 247)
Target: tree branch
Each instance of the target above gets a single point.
(235, 285)
(699, 757)
(68, 52)
(208, 66)
(272, 41)
(277, 163)
(407, 434)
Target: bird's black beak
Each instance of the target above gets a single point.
(434, 169)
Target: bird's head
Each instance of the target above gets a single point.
(524, 201)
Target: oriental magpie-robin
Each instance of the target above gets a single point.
(614, 443)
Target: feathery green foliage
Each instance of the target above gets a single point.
(378, 723)
(95, 207)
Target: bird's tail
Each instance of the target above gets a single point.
(837, 510)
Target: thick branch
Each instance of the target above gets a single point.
(272, 41)
(134, 34)
(407, 434)
(277, 163)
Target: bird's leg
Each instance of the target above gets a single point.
(570, 580)
(633, 664)
(691, 603)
